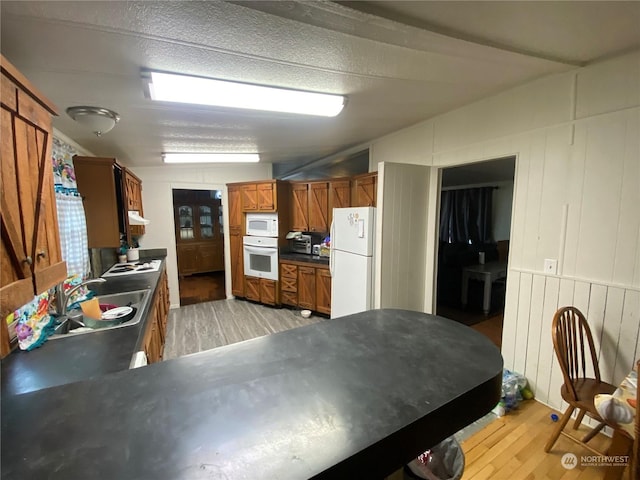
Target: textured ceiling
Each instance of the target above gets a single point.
(394, 73)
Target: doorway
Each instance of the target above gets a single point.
(474, 232)
(199, 245)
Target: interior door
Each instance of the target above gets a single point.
(402, 237)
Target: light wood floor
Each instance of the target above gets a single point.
(512, 447)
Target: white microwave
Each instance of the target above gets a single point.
(262, 224)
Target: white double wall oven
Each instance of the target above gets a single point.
(260, 246)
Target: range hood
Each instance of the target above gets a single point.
(136, 219)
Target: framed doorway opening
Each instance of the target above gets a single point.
(474, 230)
(199, 235)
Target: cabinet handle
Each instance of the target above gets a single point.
(42, 254)
(28, 260)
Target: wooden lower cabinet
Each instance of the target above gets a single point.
(323, 290)
(200, 257)
(261, 290)
(305, 285)
(237, 262)
(155, 333)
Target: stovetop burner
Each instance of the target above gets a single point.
(132, 268)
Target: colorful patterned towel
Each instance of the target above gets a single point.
(34, 322)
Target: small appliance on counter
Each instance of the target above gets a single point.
(301, 244)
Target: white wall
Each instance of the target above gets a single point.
(157, 198)
(576, 198)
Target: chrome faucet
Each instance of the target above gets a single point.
(62, 298)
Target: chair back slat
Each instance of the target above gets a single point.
(574, 347)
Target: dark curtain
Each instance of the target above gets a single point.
(465, 215)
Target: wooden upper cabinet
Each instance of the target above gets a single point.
(318, 207)
(104, 208)
(267, 198)
(235, 208)
(133, 198)
(249, 195)
(339, 196)
(365, 190)
(300, 207)
(259, 197)
(30, 255)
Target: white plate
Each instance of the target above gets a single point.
(116, 313)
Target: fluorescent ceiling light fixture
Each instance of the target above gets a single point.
(169, 87)
(210, 157)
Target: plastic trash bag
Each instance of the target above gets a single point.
(445, 461)
(513, 384)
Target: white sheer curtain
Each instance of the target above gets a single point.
(73, 231)
(71, 220)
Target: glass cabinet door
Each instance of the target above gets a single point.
(206, 222)
(185, 217)
(220, 222)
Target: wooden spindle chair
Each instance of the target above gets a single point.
(575, 350)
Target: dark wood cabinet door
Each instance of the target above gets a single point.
(187, 259)
(97, 186)
(252, 288)
(249, 198)
(30, 252)
(318, 207)
(339, 197)
(268, 291)
(133, 199)
(266, 194)
(237, 262)
(307, 287)
(289, 298)
(211, 256)
(366, 190)
(323, 290)
(300, 207)
(235, 207)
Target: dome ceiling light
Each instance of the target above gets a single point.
(97, 119)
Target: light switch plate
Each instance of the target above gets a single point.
(550, 266)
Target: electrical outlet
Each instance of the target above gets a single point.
(550, 266)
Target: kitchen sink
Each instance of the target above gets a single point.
(135, 299)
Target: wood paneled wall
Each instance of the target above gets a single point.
(613, 314)
(401, 243)
(576, 199)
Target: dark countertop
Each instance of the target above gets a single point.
(301, 257)
(79, 357)
(355, 397)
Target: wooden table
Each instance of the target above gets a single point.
(488, 272)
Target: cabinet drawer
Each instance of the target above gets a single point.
(288, 270)
(290, 298)
(289, 284)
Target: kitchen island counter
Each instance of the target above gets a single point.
(355, 397)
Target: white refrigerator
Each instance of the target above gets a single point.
(351, 262)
